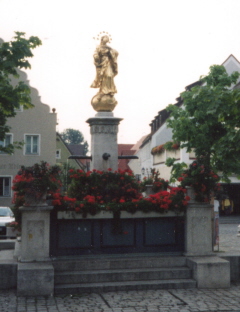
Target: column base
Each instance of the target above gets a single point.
(35, 279)
(210, 272)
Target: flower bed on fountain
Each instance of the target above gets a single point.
(32, 185)
(94, 191)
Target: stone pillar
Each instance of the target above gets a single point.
(208, 270)
(198, 230)
(35, 274)
(104, 129)
(35, 279)
(35, 240)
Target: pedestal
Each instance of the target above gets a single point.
(35, 233)
(104, 129)
(208, 270)
(35, 272)
(198, 230)
(35, 279)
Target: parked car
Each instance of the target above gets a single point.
(6, 216)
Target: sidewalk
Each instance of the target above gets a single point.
(229, 242)
(173, 300)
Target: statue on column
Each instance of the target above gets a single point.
(105, 60)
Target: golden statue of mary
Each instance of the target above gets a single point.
(105, 60)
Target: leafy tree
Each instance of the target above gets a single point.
(72, 136)
(208, 121)
(14, 56)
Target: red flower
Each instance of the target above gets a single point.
(56, 202)
(72, 200)
(90, 199)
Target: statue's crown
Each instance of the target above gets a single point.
(101, 34)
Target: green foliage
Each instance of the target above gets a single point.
(72, 136)
(208, 122)
(177, 168)
(201, 178)
(14, 56)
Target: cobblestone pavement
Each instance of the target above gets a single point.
(173, 300)
(229, 242)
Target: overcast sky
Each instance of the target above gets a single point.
(163, 46)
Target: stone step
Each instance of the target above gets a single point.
(6, 244)
(98, 276)
(128, 262)
(124, 286)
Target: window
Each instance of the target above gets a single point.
(8, 140)
(32, 144)
(58, 154)
(5, 186)
(20, 109)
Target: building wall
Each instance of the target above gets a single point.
(64, 154)
(35, 121)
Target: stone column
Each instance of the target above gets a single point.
(208, 270)
(35, 274)
(198, 230)
(104, 129)
(35, 236)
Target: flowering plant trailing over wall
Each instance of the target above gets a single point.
(169, 146)
(158, 149)
(202, 178)
(93, 191)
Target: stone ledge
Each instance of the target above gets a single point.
(210, 272)
(234, 261)
(8, 275)
(35, 279)
(124, 215)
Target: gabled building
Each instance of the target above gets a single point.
(36, 128)
(64, 151)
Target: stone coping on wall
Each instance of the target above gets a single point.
(124, 215)
(37, 208)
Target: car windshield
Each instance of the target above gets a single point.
(5, 212)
